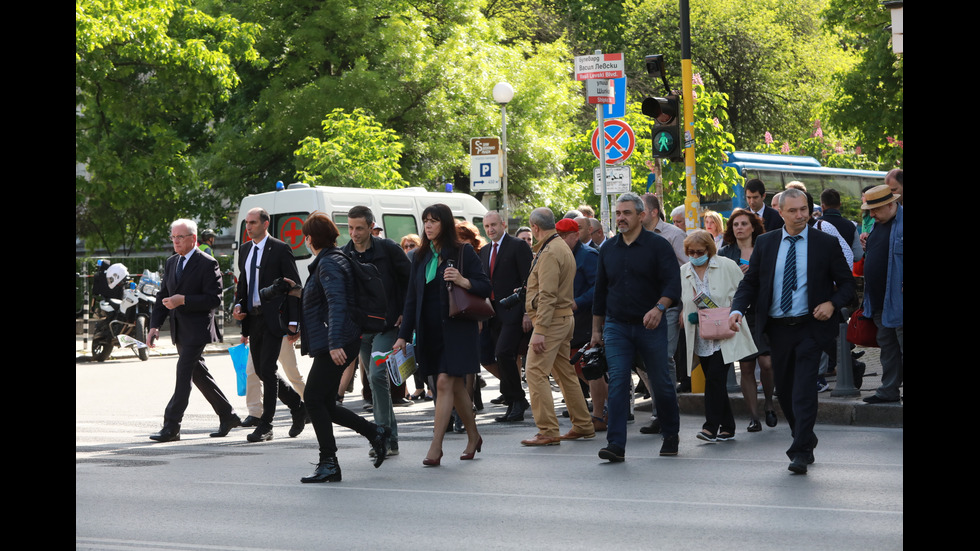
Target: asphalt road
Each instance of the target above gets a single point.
(206, 493)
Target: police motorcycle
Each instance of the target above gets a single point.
(124, 310)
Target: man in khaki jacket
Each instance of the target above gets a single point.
(549, 303)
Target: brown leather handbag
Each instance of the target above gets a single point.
(465, 305)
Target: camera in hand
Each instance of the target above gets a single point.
(594, 363)
(514, 300)
(278, 288)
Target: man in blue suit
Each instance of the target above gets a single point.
(189, 293)
(798, 281)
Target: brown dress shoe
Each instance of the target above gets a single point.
(542, 440)
(575, 435)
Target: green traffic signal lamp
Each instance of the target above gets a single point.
(666, 131)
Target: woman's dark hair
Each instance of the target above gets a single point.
(322, 231)
(757, 228)
(447, 240)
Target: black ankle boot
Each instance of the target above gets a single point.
(326, 471)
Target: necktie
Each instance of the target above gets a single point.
(493, 258)
(252, 275)
(789, 275)
(180, 268)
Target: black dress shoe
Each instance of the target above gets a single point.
(261, 433)
(251, 421)
(517, 411)
(771, 419)
(167, 434)
(500, 400)
(326, 471)
(380, 443)
(503, 418)
(299, 420)
(652, 428)
(226, 425)
(798, 465)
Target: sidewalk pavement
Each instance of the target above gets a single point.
(833, 409)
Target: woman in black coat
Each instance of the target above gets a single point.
(332, 338)
(446, 348)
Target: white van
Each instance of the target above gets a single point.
(399, 212)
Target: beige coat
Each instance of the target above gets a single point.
(550, 285)
(723, 278)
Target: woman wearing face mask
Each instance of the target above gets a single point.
(743, 229)
(710, 281)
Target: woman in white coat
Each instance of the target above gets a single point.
(710, 281)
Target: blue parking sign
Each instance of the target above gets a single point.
(616, 110)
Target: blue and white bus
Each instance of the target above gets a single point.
(778, 170)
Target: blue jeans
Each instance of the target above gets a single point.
(622, 342)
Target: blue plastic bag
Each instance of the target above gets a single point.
(239, 357)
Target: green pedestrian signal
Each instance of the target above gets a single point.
(666, 131)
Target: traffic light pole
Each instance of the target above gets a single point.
(692, 204)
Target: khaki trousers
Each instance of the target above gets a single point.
(554, 361)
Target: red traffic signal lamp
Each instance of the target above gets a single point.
(666, 130)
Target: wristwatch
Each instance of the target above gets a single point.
(661, 307)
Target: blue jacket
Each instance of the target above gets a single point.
(327, 300)
(586, 262)
(893, 314)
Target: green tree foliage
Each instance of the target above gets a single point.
(356, 152)
(869, 96)
(830, 150)
(424, 70)
(770, 57)
(148, 75)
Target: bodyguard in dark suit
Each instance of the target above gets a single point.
(798, 281)
(260, 262)
(755, 197)
(507, 261)
(189, 293)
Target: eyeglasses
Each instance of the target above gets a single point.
(178, 237)
(696, 253)
(409, 246)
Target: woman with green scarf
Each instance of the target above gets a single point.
(446, 349)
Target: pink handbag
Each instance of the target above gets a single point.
(713, 323)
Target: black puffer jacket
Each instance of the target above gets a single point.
(327, 300)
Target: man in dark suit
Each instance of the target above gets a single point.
(798, 281)
(507, 260)
(260, 262)
(755, 197)
(189, 293)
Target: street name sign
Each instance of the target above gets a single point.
(600, 66)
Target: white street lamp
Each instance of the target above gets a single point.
(502, 94)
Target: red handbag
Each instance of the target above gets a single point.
(862, 331)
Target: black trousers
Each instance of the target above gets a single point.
(506, 342)
(717, 407)
(321, 401)
(795, 361)
(265, 346)
(192, 369)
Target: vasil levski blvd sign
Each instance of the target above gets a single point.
(600, 66)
